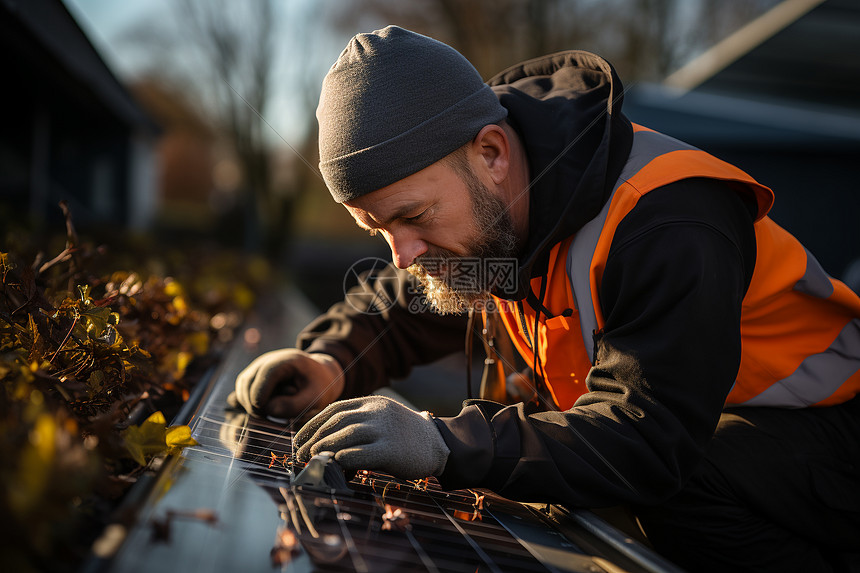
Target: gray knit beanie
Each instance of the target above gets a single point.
(392, 104)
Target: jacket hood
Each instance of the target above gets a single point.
(566, 108)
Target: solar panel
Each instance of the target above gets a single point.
(240, 502)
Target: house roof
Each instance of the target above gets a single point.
(799, 52)
(717, 117)
(789, 78)
(49, 25)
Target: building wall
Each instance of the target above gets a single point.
(62, 138)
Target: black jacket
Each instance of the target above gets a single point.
(675, 278)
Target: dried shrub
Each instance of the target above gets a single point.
(88, 361)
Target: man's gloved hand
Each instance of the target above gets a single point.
(375, 433)
(287, 383)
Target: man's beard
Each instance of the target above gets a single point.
(494, 239)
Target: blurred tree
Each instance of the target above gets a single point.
(221, 54)
(234, 47)
(644, 39)
(185, 174)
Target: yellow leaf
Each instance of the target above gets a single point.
(153, 437)
(156, 418)
(172, 288)
(96, 383)
(43, 437)
(96, 320)
(34, 465)
(146, 439)
(84, 292)
(199, 342)
(5, 264)
(180, 305)
(183, 359)
(133, 449)
(179, 437)
(243, 296)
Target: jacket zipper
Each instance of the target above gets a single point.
(522, 317)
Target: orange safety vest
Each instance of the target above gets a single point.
(800, 328)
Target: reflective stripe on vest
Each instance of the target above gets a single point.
(800, 329)
(647, 145)
(791, 360)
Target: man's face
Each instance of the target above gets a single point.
(435, 220)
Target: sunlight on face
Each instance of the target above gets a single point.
(494, 238)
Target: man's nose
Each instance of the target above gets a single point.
(406, 246)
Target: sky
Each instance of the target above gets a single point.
(300, 27)
(104, 20)
(107, 23)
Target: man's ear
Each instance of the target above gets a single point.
(494, 150)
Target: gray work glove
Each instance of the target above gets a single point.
(375, 433)
(287, 383)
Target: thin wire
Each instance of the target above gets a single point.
(275, 131)
(522, 542)
(425, 558)
(354, 554)
(481, 553)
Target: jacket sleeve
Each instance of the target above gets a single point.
(666, 359)
(382, 329)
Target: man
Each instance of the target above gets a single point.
(694, 361)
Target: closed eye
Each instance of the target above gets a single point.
(416, 218)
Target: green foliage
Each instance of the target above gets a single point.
(82, 353)
(154, 437)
